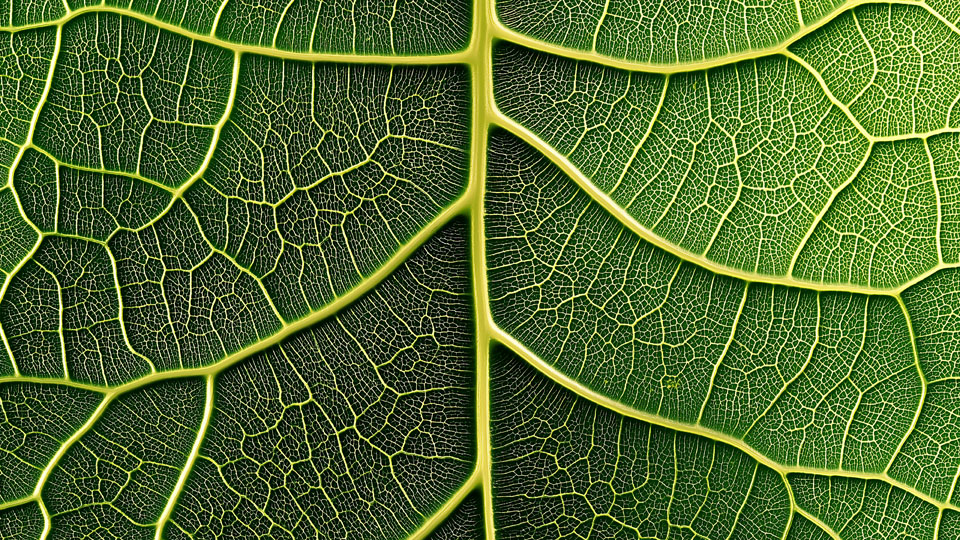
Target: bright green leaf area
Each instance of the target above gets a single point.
(506, 269)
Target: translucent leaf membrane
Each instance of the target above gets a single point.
(807, 198)
(804, 529)
(19, 237)
(948, 10)
(76, 202)
(115, 479)
(804, 178)
(565, 466)
(24, 68)
(894, 66)
(174, 207)
(356, 160)
(129, 97)
(856, 508)
(734, 164)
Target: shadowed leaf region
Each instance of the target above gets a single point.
(465, 523)
(21, 522)
(323, 173)
(361, 426)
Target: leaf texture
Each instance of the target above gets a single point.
(501, 269)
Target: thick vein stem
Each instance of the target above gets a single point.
(482, 91)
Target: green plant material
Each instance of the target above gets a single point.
(517, 269)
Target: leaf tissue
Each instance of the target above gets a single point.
(513, 269)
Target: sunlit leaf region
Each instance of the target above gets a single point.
(489, 269)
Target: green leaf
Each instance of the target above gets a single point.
(500, 269)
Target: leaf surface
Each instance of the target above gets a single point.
(515, 269)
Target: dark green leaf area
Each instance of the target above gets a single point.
(116, 480)
(360, 426)
(465, 523)
(323, 171)
(35, 420)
